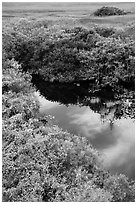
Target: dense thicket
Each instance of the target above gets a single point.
(40, 161)
(74, 54)
(43, 163)
(109, 11)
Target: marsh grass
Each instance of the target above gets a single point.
(41, 162)
(62, 9)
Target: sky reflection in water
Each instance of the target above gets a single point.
(116, 142)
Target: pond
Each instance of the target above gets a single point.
(99, 118)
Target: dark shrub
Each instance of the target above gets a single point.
(40, 161)
(105, 31)
(109, 11)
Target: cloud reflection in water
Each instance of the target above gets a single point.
(116, 142)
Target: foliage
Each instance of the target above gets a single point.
(109, 11)
(120, 188)
(85, 193)
(105, 31)
(127, 32)
(74, 54)
(43, 163)
(101, 55)
(82, 93)
(10, 80)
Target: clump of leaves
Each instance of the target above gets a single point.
(41, 162)
(109, 11)
(10, 81)
(105, 31)
(120, 188)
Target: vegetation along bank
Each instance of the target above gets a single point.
(41, 162)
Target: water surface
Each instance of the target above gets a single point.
(115, 140)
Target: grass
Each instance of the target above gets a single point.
(68, 14)
(65, 6)
(23, 134)
(66, 9)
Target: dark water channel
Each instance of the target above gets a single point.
(96, 116)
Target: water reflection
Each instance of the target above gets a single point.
(116, 143)
(123, 152)
(82, 93)
(96, 115)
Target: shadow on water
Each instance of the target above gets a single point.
(83, 93)
(96, 115)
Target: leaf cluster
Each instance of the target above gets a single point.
(41, 162)
(109, 11)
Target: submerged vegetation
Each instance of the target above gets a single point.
(41, 162)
